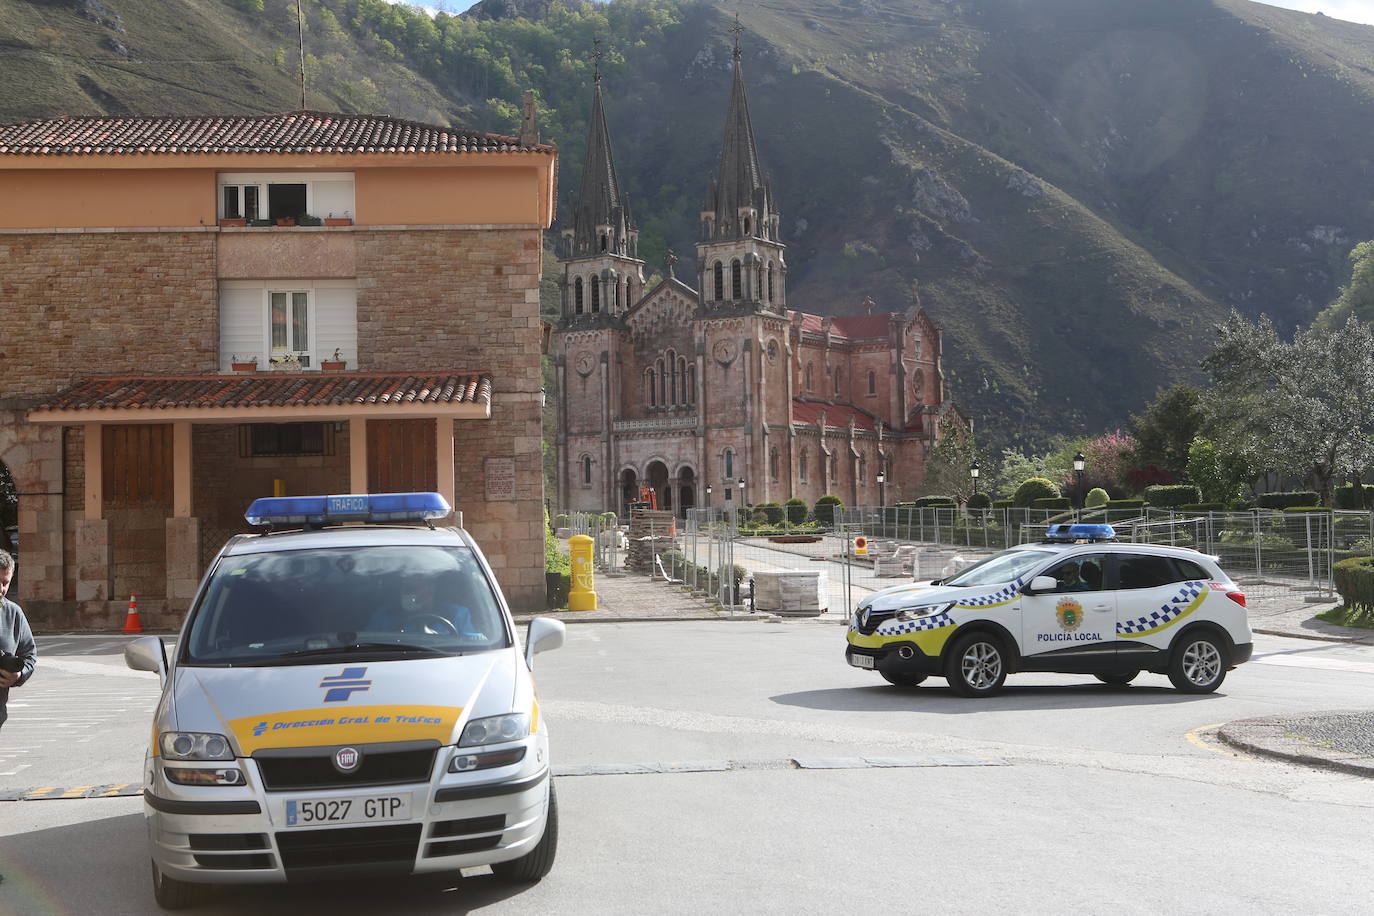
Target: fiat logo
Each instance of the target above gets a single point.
(347, 759)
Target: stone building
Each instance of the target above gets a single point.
(724, 386)
(201, 311)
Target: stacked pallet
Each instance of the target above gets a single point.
(652, 532)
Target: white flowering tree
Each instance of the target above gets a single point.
(1303, 407)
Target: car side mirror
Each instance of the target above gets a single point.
(1042, 584)
(147, 654)
(544, 634)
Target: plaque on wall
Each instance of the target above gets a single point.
(724, 352)
(500, 474)
(585, 364)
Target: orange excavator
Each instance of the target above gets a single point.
(648, 499)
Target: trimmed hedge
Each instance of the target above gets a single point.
(1348, 498)
(1306, 509)
(979, 501)
(1096, 498)
(1287, 499)
(1202, 507)
(796, 510)
(561, 520)
(1033, 488)
(1053, 502)
(1355, 581)
(774, 512)
(1167, 497)
(927, 501)
(1003, 503)
(1124, 504)
(825, 509)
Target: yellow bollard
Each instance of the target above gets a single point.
(582, 594)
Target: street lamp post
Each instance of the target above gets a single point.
(1078, 463)
(882, 488)
(708, 496)
(974, 471)
(741, 492)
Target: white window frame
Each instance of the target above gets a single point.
(312, 324)
(263, 180)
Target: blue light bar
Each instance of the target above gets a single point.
(364, 507)
(1079, 532)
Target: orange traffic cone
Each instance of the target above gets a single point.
(131, 623)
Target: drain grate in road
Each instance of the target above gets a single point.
(778, 763)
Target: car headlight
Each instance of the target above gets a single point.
(195, 746)
(495, 729)
(199, 776)
(924, 610)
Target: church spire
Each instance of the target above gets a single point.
(601, 220)
(739, 203)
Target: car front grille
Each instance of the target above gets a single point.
(316, 771)
(866, 627)
(391, 845)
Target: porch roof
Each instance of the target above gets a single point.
(267, 396)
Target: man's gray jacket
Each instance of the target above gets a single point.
(15, 639)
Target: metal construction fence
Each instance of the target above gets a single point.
(715, 551)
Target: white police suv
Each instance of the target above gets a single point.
(1079, 603)
(347, 698)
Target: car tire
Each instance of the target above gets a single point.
(172, 894)
(903, 680)
(1198, 664)
(976, 665)
(536, 863)
(1118, 679)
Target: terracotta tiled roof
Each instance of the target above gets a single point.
(269, 389)
(854, 327)
(836, 415)
(289, 132)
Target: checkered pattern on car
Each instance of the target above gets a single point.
(1187, 598)
(1003, 595)
(933, 622)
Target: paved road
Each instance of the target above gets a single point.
(1056, 796)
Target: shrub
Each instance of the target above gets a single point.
(1202, 507)
(555, 560)
(825, 509)
(979, 501)
(1347, 497)
(1096, 498)
(607, 520)
(1053, 502)
(1003, 503)
(561, 520)
(796, 510)
(1355, 581)
(1168, 496)
(773, 511)
(1034, 488)
(926, 502)
(1296, 509)
(1131, 504)
(1285, 500)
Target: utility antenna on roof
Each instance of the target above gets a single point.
(596, 60)
(737, 29)
(300, 39)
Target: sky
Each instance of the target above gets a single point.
(1349, 10)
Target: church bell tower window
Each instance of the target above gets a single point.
(577, 296)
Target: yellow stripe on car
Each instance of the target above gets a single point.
(345, 725)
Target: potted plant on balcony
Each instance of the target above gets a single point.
(285, 362)
(308, 220)
(332, 220)
(234, 221)
(246, 364)
(286, 221)
(262, 222)
(335, 363)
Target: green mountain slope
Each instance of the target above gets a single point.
(1079, 189)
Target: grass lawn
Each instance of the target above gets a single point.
(1347, 616)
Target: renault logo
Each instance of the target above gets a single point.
(347, 759)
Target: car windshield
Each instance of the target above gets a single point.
(1000, 568)
(298, 606)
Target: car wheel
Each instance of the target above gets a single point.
(976, 666)
(172, 894)
(536, 863)
(903, 680)
(1120, 679)
(1198, 664)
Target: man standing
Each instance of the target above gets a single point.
(18, 654)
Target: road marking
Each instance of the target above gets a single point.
(1195, 736)
(778, 763)
(51, 793)
(1329, 664)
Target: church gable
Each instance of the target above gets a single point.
(670, 307)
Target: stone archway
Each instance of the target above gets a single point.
(656, 476)
(629, 490)
(687, 490)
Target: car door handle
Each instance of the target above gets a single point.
(1102, 607)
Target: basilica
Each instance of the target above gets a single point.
(719, 393)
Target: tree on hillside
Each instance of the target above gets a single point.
(1302, 407)
(947, 467)
(1165, 430)
(1356, 297)
(1017, 468)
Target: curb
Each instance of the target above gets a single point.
(526, 618)
(1357, 640)
(1270, 736)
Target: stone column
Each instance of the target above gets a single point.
(357, 455)
(94, 572)
(183, 565)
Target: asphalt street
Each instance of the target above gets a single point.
(742, 767)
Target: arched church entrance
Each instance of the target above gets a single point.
(629, 490)
(687, 491)
(656, 476)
